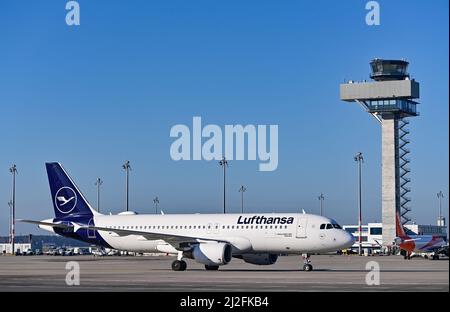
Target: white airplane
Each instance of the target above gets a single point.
(210, 239)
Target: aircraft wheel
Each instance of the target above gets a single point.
(435, 257)
(211, 267)
(178, 265)
(307, 267)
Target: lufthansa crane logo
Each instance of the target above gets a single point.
(65, 200)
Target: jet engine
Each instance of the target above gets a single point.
(212, 254)
(259, 259)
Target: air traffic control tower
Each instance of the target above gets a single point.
(390, 99)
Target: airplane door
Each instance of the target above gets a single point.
(91, 233)
(301, 227)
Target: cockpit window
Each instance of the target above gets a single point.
(337, 226)
(329, 226)
(322, 226)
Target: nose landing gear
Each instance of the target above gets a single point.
(307, 263)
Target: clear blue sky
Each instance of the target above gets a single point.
(109, 90)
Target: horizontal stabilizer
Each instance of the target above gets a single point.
(55, 225)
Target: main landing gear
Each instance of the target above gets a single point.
(407, 255)
(179, 264)
(307, 263)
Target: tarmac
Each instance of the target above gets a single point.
(125, 273)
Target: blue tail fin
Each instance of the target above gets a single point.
(67, 199)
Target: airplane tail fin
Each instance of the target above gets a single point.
(399, 227)
(66, 197)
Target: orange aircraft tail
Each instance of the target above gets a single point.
(400, 231)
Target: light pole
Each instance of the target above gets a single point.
(242, 190)
(126, 166)
(321, 198)
(13, 171)
(10, 204)
(440, 196)
(359, 159)
(156, 202)
(98, 183)
(224, 164)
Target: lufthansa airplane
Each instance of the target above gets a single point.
(210, 239)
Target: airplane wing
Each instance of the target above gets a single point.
(175, 240)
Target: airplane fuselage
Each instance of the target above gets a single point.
(247, 233)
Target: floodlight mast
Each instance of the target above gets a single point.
(10, 204)
(321, 199)
(156, 202)
(224, 163)
(242, 190)
(126, 166)
(441, 220)
(13, 171)
(98, 183)
(359, 159)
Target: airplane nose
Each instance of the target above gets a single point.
(349, 239)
